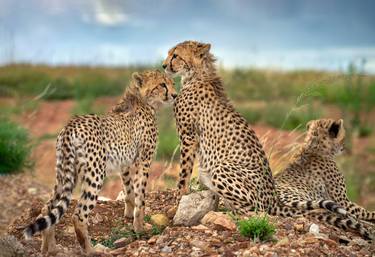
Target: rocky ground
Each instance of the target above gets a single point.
(217, 236)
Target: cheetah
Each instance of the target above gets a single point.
(89, 146)
(312, 180)
(232, 162)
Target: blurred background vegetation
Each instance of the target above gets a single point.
(42, 99)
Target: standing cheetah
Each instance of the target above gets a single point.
(89, 146)
(232, 162)
(313, 176)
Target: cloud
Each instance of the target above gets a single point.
(109, 13)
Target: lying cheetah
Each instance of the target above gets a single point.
(313, 177)
(89, 146)
(232, 162)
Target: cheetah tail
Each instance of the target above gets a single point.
(320, 204)
(56, 212)
(342, 223)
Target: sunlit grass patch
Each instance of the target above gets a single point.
(256, 227)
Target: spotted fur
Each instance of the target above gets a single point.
(232, 161)
(313, 180)
(90, 145)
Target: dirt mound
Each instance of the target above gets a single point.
(291, 239)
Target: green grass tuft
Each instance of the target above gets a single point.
(14, 147)
(256, 228)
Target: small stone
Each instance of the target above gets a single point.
(101, 248)
(32, 190)
(200, 227)
(171, 212)
(271, 254)
(152, 240)
(219, 220)
(122, 242)
(358, 241)
(97, 219)
(314, 229)
(118, 251)
(161, 239)
(310, 240)
(194, 206)
(298, 227)
(147, 226)
(166, 249)
(284, 241)
(160, 220)
(200, 244)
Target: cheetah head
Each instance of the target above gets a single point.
(154, 87)
(325, 136)
(187, 57)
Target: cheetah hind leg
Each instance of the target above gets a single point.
(90, 189)
(128, 192)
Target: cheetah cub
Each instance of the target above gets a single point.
(313, 181)
(90, 145)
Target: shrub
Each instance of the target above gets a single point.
(256, 228)
(14, 147)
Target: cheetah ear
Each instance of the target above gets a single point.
(203, 49)
(308, 124)
(335, 128)
(137, 79)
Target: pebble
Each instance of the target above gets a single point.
(160, 220)
(219, 220)
(122, 242)
(314, 229)
(166, 249)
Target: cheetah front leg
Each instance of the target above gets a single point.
(188, 151)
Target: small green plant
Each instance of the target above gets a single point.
(195, 185)
(147, 218)
(14, 147)
(118, 233)
(256, 228)
(156, 230)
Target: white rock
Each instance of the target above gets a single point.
(314, 229)
(194, 206)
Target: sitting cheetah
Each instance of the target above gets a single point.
(89, 146)
(232, 162)
(313, 177)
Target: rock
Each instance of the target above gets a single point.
(194, 206)
(97, 219)
(11, 247)
(161, 239)
(100, 248)
(166, 249)
(32, 190)
(147, 226)
(152, 240)
(219, 220)
(118, 251)
(160, 220)
(284, 241)
(314, 229)
(120, 196)
(358, 241)
(200, 227)
(171, 212)
(122, 242)
(299, 227)
(200, 244)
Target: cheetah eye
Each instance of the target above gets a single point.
(174, 56)
(163, 85)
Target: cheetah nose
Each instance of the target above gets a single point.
(164, 66)
(174, 96)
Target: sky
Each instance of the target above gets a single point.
(271, 34)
